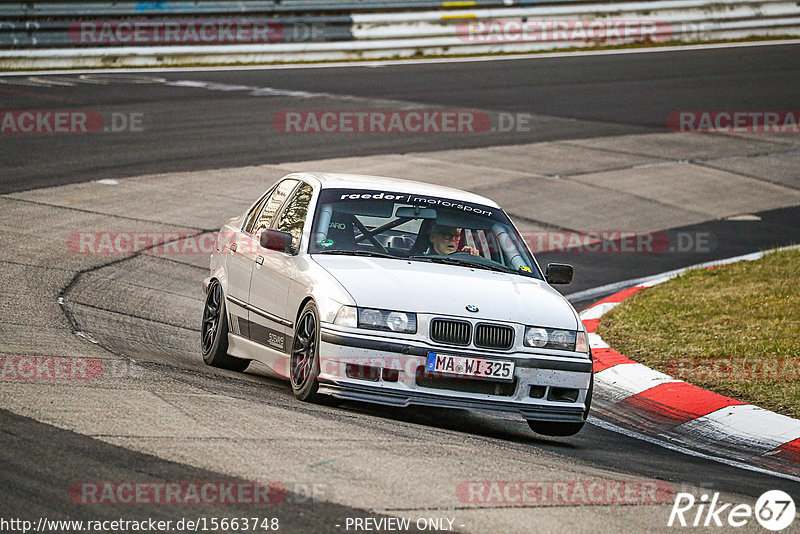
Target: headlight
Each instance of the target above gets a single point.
(393, 321)
(401, 322)
(535, 337)
(372, 319)
(550, 338)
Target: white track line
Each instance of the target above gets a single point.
(400, 62)
(667, 445)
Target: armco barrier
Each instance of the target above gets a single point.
(89, 33)
(60, 8)
(363, 34)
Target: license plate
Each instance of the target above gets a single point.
(468, 366)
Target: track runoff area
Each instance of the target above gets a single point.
(748, 214)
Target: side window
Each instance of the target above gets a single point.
(272, 206)
(252, 216)
(294, 214)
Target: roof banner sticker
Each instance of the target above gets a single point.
(415, 199)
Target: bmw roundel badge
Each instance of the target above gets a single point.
(471, 308)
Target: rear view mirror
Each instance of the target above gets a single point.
(558, 273)
(276, 240)
(415, 212)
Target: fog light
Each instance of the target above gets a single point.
(363, 372)
(562, 395)
(537, 392)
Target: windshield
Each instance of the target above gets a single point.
(419, 228)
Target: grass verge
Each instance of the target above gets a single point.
(733, 329)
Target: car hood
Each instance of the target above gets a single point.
(433, 288)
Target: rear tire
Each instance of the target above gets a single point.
(214, 332)
(304, 360)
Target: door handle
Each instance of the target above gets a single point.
(260, 260)
(233, 247)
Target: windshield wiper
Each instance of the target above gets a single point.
(461, 262)
(358, 253)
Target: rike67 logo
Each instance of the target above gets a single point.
(774, 510)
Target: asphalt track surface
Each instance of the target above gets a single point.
(578, 97)
(196, 128)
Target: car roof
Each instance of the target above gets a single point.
(363, 181)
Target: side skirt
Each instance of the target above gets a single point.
(276, 361)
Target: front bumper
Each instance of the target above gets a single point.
(391, 372)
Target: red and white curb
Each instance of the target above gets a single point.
(633, 396)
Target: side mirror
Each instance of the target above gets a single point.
(276, 240)
(558, 273)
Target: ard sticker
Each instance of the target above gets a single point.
(326, 243)
(525, 268)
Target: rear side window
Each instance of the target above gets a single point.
(272, 206)
(293, 216)
(252, 217)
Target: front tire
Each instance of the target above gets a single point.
(214, 332)
(304, 363)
